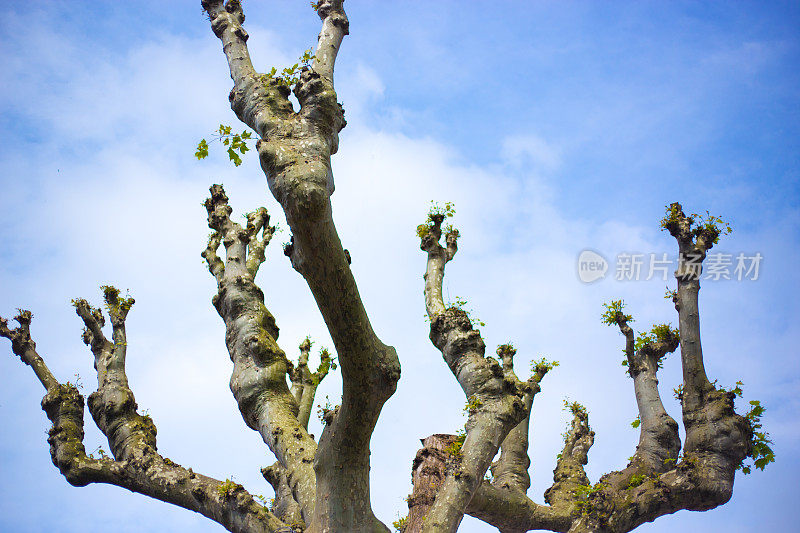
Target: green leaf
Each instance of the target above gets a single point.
(202, 149)
(614, 313)
(234, 157)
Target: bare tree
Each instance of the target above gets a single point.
(323, 485)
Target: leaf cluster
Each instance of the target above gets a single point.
(445, 210)
(290, 76)
(543, 365)
(441, 211)
(614, 314)
(114, 303)
(473, 404)
(678, 392)
(461, 303)
(710, 224)
(400, 524)
(266, 502)
(227, 488)
(576, 409)
(707, 224)
(322, 410)
(454, 448)
(672, 216)
(636, 480)
(760, 451)
(101, 453)
(583, 493)
(76, 384)
(236, 143)
(658, 333)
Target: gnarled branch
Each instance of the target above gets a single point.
(295, 150)
(659, 443)
(494, 401)
(136, 465)
(305, 382)
(258, 381)
(717, 439)
(569, 476)
(510, 471)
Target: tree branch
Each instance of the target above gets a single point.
(259, 102)
(136, 465)
(510, 471)
(693, 245)
(258, 221)
(285, 506)
(25, 348)
(305, 382)
(569, 476)
(495, 402)
(714, 432)
(717, 439)
(513, 512)
(258, 381)
(295, 151)
(334, 27)
(509, 510)
(297, 373)
(659, 443)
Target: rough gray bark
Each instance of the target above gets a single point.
(323, 486)
(656, 481)
(659, 443)
(258, 381)
(495, 401)
(295, 150)
(135, 463)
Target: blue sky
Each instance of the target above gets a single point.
(554, 126)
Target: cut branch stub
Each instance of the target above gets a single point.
(439, 455)
(24, 347)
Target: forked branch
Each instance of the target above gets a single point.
(295, 151)
(260, 367)
(135, 464)
(659, 443)
(495, 401)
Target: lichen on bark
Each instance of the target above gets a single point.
(324, 485)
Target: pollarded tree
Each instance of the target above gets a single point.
(323, 485)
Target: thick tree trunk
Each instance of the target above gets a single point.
(440, 453)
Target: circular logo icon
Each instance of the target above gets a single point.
(591, 266)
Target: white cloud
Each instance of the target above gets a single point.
(113, 196)
(532, 150)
